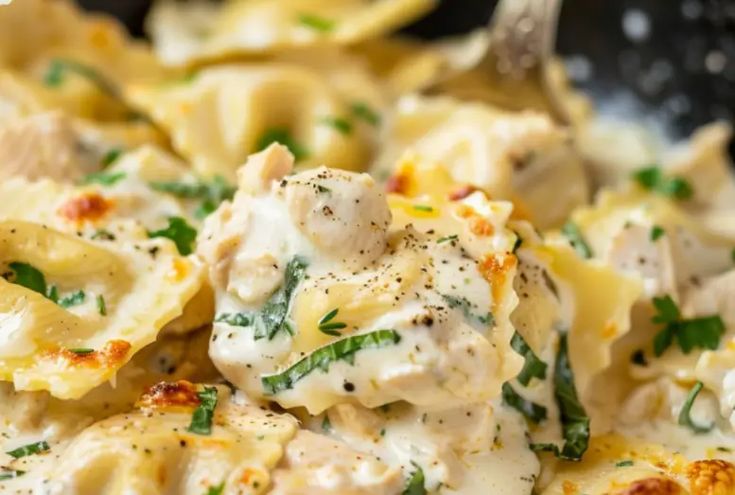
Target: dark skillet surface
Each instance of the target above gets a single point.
(680, 70)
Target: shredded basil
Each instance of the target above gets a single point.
(342, 125)
(178, 231)
(653, 179)
(363, 111)
(30, 449)
(28, 276)
(343, 350)
(72, 299)
(656, 232)
(533, 366)
(575, 423)
(211, 193)
(103, 178)
(201, 420)
(572, 232)
(416, 482)
(534, 412)
(703, 332)
(685, 418)
(283, 136)
(317, 23)
(9, 474)
(466, 306)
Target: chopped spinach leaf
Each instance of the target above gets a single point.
(211, 193)
(103, 178)
(703, 332)
(571, 231)
(53, 293)
(685, 418)
(216, 489)
(363, 111)
(72, 299)
(110, 157)
(317, 23)
(466, 306)
(534, 412)
(236, 319)
(625, 463)
(9, 474)
(338, 123)
(101, 306)
(30, 449)
(321, 358)
(575, 423)
(653, 179)
(416, 482)
(656, 232)
(29, 277)
(533, 366)
(201, 420)
(283, 136)
(180, 232)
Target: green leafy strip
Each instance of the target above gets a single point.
(272, 317)
(180, 232)
(653, 179)
(342, 125)
(449, 238)
(326, 424)
(30, 449)
(72, 299)
(704, 332)
(466, 306)
(283, 136)
(329, 327)
(9, 474)
(101, 305)
(211, 193)
(656, 232)
(103, 178)
(685, 418)
(416, 482)
(571, 231)
(574, 420)
(534, 412)
(363, 111)
(110, 157)
(425, 208)
(217, 489)
(32, 278)
(82, 351)
(533, 366)
(344, 350)
(625, 463)
(201, 420)
(317, 23)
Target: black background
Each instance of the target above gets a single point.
(682, 73)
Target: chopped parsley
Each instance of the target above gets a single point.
(656, 232)
(272, 318)
(317, 23)
(72, 299)
(653, 179)
(9, 474)
(82, 351)
(534, 412)
(201, 420)
(101, 306)
(211, 193)
(425, 208)
(216, 489)
(571, 231)
(28, 276)
(103, 178)
(30, 449)
(341, 350)
(449, 238)
(533, 367)
(363, 111)
(685, 418)
(703, 332)
(110, 157)
(466, 306)
(625, 463)
(283, 136)
(416, 482)
(338, 123)
(178, 231)
(329, 327)
(575, 423)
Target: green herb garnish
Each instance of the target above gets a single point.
(217, 489)
(685, 418)
(30, 449)
(72, 299)
(29, 277)
(178, 231)
(575, 423)
(102, 234)
(317, 23)
(211, 193)
(236, 319)
(425, 208)
(534, 412)
(340, 124)
(466, 306)
(9, 474)
(449, 238)
(322, 189)
(201, 420)
(326, 424)
(329, 327)
(653, 179)
(81, 350)
(533, 366)
(416, 482)
(101, 306)
(103, 178)
(656, 232)
(283, 136)
(110, 157)
(363, 111)
(572, 232)
(343, 350)
(625, 463)
(53, 293)
(703, 332)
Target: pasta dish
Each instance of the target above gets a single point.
(263, 254)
